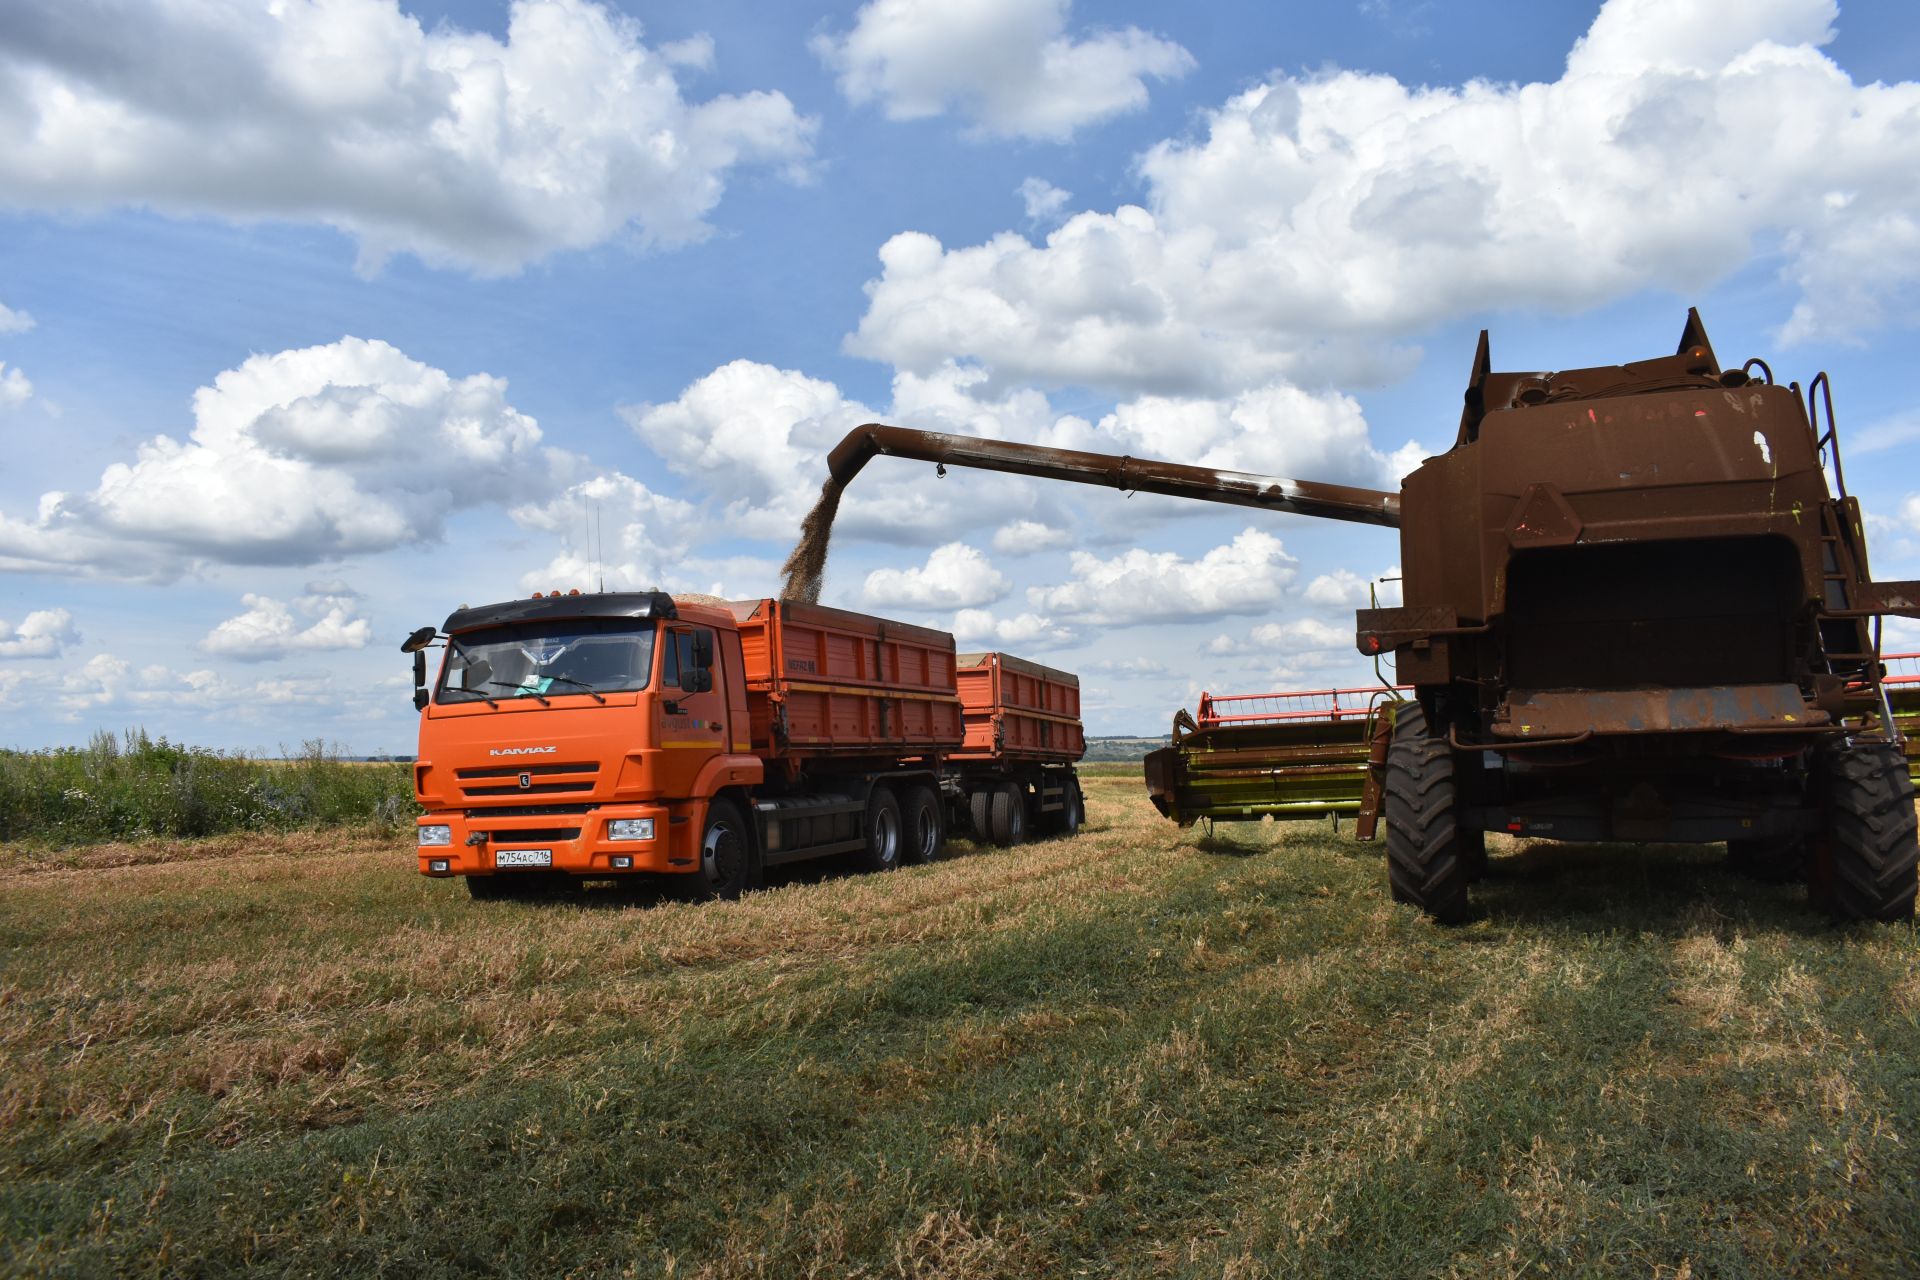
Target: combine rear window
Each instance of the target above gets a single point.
(576, 656)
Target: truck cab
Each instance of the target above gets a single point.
(580, 734)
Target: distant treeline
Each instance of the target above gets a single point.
(1119, 748)
(134, 786)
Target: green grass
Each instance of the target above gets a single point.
(1136, 1053)
(140, 788)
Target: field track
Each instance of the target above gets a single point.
(1137, 1053)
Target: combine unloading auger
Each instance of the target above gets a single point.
(1132, 475)
(1634, 611)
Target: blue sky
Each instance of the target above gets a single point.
(321, 319)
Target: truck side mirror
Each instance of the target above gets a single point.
(419, 640)
(695, 680)
(703, 650)
(419, 679)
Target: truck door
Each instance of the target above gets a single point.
(693, 707)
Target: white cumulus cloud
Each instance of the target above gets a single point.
(271, 629)
(955, 576)
(448, 144)
(1023, 633)
(296, 458)
(41, 634)
(1009, 66)
(15, 390)
(613, 530)
(1029, 537)
(1273, 430)
(1042, 199)
(1247, 575)
(12, 321)
(1320, 219)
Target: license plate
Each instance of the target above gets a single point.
(523, 858)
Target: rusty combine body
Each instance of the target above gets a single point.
(1634, 610)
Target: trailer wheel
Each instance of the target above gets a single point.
(1867, 861)
(980, 809)
(1007, 820)
(1073, 811)
(882, 852)
(1429, 859)
(726, 854)
(922, 821)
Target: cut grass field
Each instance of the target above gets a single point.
(1135, 1053)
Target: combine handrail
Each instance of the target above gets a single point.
(1359, 704)
(1903, 678)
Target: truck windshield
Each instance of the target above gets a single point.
(579, 656)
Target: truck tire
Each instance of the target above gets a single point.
(980, 809)
(882, 832)
(726, 854)
(1073, 811)
(921, 824)
(1429, 859)
(1007, 816)
(1870, 850)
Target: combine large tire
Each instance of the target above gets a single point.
(1870, 850)
(882, 831)
(921, 816)
(1429, 859)
(1007, 819)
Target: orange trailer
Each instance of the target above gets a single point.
(1023, 737)
(573, 737)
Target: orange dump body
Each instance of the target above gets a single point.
(1018, 710)
(826, 682)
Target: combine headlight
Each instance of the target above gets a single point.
(630, 829)
(436, 835)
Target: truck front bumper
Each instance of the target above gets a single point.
(576, 844)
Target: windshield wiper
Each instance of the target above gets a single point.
(522, 691)
(591, 692)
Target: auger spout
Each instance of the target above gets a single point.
(1133, 475)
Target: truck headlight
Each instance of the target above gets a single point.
(436, 834)
(630, 829)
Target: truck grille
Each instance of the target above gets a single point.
(533, 835)
(542, 780)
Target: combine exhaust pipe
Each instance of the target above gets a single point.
(1131, 475)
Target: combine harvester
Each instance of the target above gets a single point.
(1638, 608)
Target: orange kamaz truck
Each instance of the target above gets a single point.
(572, 737)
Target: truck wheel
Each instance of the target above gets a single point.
(1429, 859)
(1007, 819)
(1073, 811)
(882, 852)
(726, 854)
(1870, 851)
(922, 824)
(980, 809)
